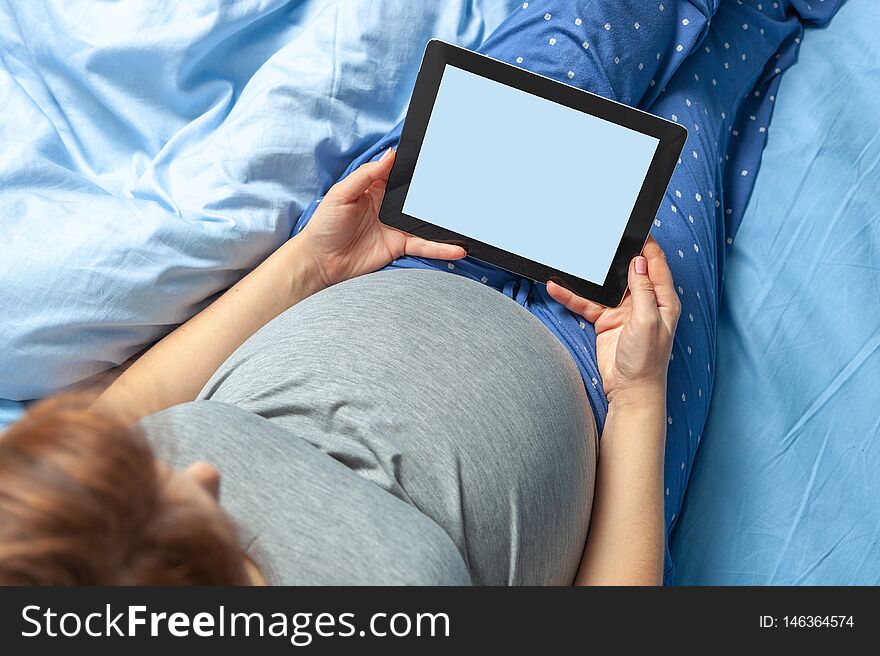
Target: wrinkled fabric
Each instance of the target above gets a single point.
(152, 152)
(785, 487)
(715, 68)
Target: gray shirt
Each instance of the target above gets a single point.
(406, 427)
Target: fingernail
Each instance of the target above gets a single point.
(386, 154)
(641, 265)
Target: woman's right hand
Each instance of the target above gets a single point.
(633, 340)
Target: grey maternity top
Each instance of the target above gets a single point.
(405, 427)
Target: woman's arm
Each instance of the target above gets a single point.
(344, 239)
(177, 367)
(633, 342)
(626, 538)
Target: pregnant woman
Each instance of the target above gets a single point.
(415, 426)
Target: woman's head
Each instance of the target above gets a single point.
(83, 501)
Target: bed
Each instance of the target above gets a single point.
(107, 195)
(786, 483)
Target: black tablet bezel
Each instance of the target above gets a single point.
(671, 136)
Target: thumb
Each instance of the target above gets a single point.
(644, 301)
(363, 177)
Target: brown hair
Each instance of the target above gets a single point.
(82, 502)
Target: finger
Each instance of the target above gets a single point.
(362, 178)
(418, 247)
(660, 274)
(587, 309)
(376, 194)
(644, 302)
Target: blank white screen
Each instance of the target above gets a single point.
(527, 175)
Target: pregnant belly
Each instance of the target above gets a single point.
(405, 351)
(446, 394)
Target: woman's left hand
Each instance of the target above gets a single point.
(345, 238)
(633, 340)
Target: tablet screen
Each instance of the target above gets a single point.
(528, 175)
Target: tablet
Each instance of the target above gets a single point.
(531, 175)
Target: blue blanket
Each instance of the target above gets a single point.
(785, 487)
(153, 152)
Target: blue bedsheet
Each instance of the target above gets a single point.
(785, 487)
(152, 152)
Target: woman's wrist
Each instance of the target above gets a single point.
(297, 270)
(646, 396)
(636, 419)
